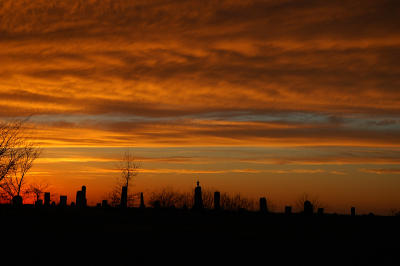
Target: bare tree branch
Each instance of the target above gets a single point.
(129, 169)
(37, 189)
(17, 154)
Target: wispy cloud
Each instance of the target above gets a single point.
(382, 171)
(250, 171)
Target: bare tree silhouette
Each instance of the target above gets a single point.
(236, 202)
(129, 169)
(208, 198)
(166, 198)
(10, 140)
(17, 155)
(37, 189)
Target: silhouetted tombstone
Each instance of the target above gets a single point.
(142, 206)
(320, 211)
(47, 199)
(81, 197)
(288, 210)
(39, 203)
(63, 201)
(353, 211)
(72, 204)
(53, 204)
(308, 208)
(98, 205)
(124, 197)
(17, 201)
(263, 205)
(104, 204)
(217, 200)
(198, 199)
(84, 201)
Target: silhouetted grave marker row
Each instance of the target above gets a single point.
(81, 201)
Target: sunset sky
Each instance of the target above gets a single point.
(267, 98)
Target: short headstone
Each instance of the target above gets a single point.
(47, 199)
(217, 200)
(63, 201)
(308, 208)
(142, 206)
(263, 205)
(17, 201)
(124, 197)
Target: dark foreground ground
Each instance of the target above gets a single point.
(94, 236)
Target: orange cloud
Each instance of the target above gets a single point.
(268, 61)
(195, 132)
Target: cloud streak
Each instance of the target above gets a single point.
(382, 171)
